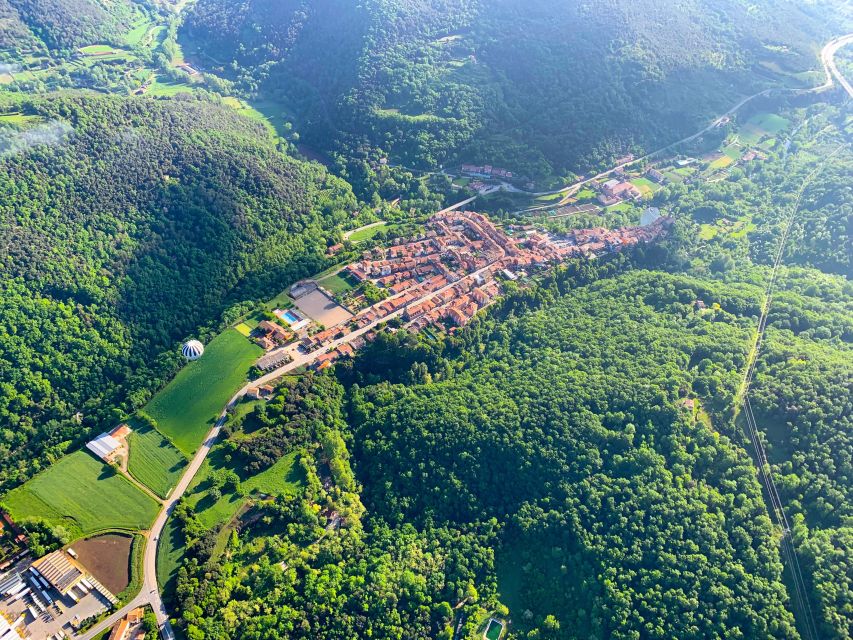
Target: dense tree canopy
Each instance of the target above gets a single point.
(508, 83)
(125, 226)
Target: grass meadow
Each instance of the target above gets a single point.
(187, 407)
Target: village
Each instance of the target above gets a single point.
(437, 280)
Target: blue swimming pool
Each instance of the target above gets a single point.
(290, 317)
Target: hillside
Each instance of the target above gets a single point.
(63, 25)
(541, 88)
(125, 225)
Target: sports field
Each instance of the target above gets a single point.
(337, 283)
(83, 495)
(366, 234)
(187, 407)
(154, 461)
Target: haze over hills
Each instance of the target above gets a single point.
(498, 82)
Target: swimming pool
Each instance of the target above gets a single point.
(290, 317)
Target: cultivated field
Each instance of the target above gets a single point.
(760, 125)
(107, 558)
(154, 461)
(188, 406)
(83, 495)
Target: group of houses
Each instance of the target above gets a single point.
(444, 276)
(617, 190)
(485, 171)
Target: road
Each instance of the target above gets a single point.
(827, 57)
(150, 593)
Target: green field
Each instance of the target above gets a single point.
(645, 185)
(187, 407)
(366, 234)
(720, 163)
(337, 283)
(138, 32)
(96, 49)
(170, 555)
(18, 119)
(168, 88)
(154, 461)
(83, 495)
(760, 125)
(283, 477)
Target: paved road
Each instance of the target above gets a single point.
(827, 56)
(150, 593)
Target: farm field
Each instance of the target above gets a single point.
(282, 478)
(96, 49)
(107, 557)
(760, 125)
(65, 494)
(645, 185)
(162, 87)
(170, 554)
(187, 407)
(154, 461)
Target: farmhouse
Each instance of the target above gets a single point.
(108, 446)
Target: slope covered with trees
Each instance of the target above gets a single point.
(126, 225)
(63, 25)
(553, 436)
(508, 83)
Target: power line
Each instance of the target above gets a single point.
(765, 471)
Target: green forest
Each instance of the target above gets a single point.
(575, 462)
(496, 82)
(126, 227)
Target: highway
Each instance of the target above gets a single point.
(827, 57)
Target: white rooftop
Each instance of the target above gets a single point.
(103, 445)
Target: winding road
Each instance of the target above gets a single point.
(150, 593)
